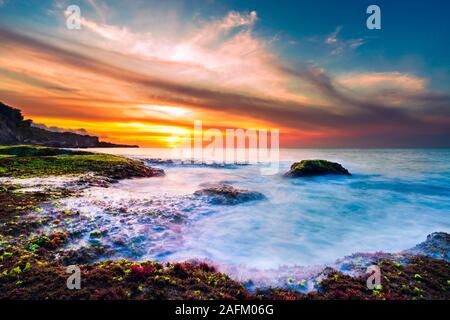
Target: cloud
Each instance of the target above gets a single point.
(222, 71)
(100, 9)
(332, 38)
(356, 43)
(339, 45)
(211, 52)
(383, 81)
(107, 31)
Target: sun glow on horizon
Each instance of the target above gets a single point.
(151, 135)
(163, 111)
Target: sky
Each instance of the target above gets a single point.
(140, 72)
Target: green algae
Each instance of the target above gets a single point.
(307, 168)
(31, 161)
(35, 151)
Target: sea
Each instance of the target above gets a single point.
(392, 201)
(288, 237)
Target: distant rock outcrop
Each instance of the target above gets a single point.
(436, 246)
(15, 130)
(309, 168)
(227, 195)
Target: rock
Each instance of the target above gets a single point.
(309, 168)
(437, 245)
(15, 130)
(83, 255)
(228, 195)
(158, 161)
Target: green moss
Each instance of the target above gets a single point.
(290, 281)
(316, 167)
(312, 163)
(5, 254)
(33, 151)
(36, 243)
(95, 233)
(27, 267)
(28, 161)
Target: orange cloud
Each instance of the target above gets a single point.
(379, 81)
(139, 87)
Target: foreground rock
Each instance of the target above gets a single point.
(310, 168)
(228, 195)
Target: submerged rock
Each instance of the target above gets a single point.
(228, 195)
(159, 161)
(309, 168)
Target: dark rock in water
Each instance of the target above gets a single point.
(159, 161)
(218, 184)
(310, 168)
(192, 163)
(436, 246)
(228, 195)
(135, 170)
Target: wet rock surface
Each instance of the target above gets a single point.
(192, 163)
(437, 245)
(311, 168)
(227, 195)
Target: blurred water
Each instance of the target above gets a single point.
(393, 200)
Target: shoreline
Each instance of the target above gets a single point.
(25, 255)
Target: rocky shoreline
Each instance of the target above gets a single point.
(33, 256)
(14, 129)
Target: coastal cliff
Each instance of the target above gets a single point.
(14, 129)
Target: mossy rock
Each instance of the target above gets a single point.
(36, 161)
(24, 150)
(228, 195)
(310, 168)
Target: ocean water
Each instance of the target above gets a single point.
(392, 201)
